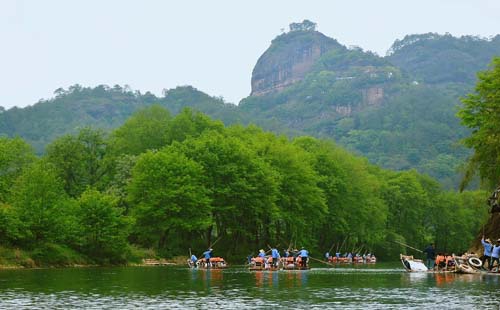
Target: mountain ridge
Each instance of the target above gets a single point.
(392, 114)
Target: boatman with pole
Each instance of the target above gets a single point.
(487, 252)
(207, 254)
(303, 253)
(275, 254)
(430, 250)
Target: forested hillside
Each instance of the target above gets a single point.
(398, 111)
(434, 58)
(100, 107)
(159, 185)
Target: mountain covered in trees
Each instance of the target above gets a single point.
(100, 107)
(398, 110)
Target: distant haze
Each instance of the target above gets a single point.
(212, 45)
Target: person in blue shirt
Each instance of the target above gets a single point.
(194, 259)
(327, 256)
(303, 253)
(275, 254)
(287, 253)
(207, 254)
(495, 254)
(261, 253)
(488, 247)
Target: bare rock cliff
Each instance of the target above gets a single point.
(289, 58)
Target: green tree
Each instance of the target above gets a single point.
(104, 230)
(15, 154)
(169, 196)
(408, 202)
(356, 212)
(79, 160)
(10, 225)
(481, 113)
(190, 123)
(300, 200)
(118, 185)
(145, 130)
(41, 204)
(243, 187)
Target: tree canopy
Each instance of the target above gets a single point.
(481, 113)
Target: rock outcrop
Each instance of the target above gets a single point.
(289, 58)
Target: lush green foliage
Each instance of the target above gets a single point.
(168, 196)
(481, 113)
(14, 154)
(98, 198)
(103, 231)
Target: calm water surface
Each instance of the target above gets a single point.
(385, 286)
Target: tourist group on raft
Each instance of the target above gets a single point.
(348, 258)
(489, 261)
(207, 261)
(274, 260)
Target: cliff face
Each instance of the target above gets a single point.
(289, 58)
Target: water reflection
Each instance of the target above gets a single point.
(285, 278)
(443, 279)
(319, 288)
(211, 278)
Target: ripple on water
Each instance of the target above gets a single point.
(319, 288)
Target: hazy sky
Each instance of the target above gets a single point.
(212, 45)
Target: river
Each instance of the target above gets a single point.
(378, 287)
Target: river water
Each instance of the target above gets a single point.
(384, 286)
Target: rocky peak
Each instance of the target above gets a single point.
(290, 57)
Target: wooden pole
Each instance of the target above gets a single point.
(406, 245)
(333, 244)
(319, 260)
(339, 249)
(215, 241)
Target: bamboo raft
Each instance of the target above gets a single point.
(284, 263)
(214, 263)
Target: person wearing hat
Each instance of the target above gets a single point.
(275, 254)
(207, 254)
(487, 252)
(303, 253)
(495, 254)
(262, 253)
(262, 257)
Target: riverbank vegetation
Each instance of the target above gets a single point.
(170, 184)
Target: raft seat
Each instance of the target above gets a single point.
(216, 259)
(258, 260)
